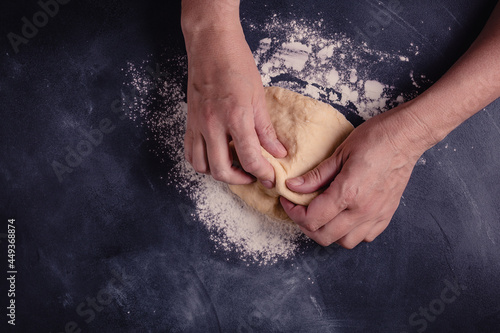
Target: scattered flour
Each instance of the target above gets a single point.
(333, 69)
(421, 161)
(374, 90)
(297, 56)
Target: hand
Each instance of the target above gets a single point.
(226, 102)
(366, 177)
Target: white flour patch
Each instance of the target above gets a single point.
(295, 56)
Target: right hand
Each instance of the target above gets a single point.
(226, 102)
(364, 178)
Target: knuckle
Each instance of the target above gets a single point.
(369, 238)
(310, 226)
(323, 216)
(314, 176)
(324, 242)
(233, 126)
(220, 175)
(211, 120)
(349, 245)
(268, 131)
(199, 165)
(348, 242)
(312, 223)
(349, 196)
(199, 168)
(251, 164)
(236, 119)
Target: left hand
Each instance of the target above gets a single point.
(366, 177)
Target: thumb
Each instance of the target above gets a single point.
(266, 133)
(319, 177)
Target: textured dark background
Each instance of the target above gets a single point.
(113, 229)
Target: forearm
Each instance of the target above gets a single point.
(471, 83)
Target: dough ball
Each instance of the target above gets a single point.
(310, 130)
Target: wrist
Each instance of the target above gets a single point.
(199, 16)
(422, 120)
(407, 131)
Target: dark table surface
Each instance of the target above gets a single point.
(112, 229)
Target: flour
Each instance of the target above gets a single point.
(333, 69)
(374, 90)
(296, 56)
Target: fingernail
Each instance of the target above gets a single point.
(267, 184)
(281, 148)
(297, 181)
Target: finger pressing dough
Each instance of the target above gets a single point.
(310, 130)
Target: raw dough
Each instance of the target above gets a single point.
(310, 130)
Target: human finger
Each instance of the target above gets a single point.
(319, 177)
(326, 206)
(188, 145)
(247, 146)
(332, 231)
(220, 160)
(199, 155)
(267, 134)
(355, 236)
(376, 230)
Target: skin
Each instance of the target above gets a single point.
(367, 174)
(225, 97)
